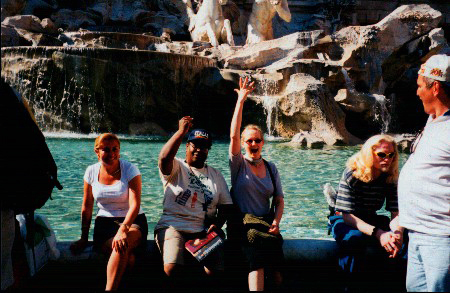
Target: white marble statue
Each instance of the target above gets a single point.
(259, 26)
(209, 24)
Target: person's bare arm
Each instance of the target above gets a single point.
(245, 88)
(86, 218)
(120, 241)
(384, 237)
(170, 149)
(279, 209)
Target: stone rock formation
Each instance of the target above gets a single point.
(307, 105)
(95, 89)
(109, 62)
(366, 48)
(31, 23)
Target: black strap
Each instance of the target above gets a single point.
(31, 231)
(272, 177)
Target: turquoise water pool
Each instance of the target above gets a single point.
(303, 172)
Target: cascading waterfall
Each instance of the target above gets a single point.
(382, 115)
(268, 89)
(89, 90)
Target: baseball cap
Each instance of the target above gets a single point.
(200, 136)
(437, 67)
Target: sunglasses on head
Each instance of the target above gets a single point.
(257, 141)
(384, 155)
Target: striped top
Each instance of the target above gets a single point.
(365, 199)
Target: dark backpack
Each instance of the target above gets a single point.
(29, 171)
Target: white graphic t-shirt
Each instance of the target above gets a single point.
(188, 194)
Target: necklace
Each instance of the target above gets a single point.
(254, 162)
(113, 173)
(196, 177)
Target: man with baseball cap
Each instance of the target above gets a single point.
(194, 192)
(424, 185)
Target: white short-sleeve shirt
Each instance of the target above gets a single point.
(112, 200)
(424, 182)
(188, 194)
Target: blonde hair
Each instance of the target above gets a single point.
(362, 162)
(105, 136)
(252, 127)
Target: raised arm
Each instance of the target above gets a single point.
(86, 218)
(235, 137)
(134, 200)
(170, 149)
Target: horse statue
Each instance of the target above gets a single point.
(209, 24)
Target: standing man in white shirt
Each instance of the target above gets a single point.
(424, 185)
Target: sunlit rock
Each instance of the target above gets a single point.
(366, 47)
(262, 54)
(30, 23)
(306, 105)
(306, 139)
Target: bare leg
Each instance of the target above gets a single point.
(118, 262)
(256, 280)
(114, 271)
(170, 269)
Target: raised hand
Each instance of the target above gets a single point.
(245, 88)
(185, 123)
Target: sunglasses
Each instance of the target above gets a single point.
(384, 155)
(200, 146)
(108, 150)
(257, 141)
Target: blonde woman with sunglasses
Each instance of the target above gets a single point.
(254, 181)
(369, 180)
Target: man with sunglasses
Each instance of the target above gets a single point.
(369, 180)
(193, 192)
(424, 185)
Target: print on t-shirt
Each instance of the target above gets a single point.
(195, 183)
(194, 199)
(182, 198)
